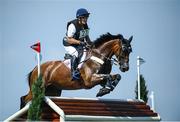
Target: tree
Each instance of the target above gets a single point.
(34, 112)
(143, 89)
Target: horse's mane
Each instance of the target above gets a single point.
(105, 38)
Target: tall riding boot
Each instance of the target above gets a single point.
(74, 71)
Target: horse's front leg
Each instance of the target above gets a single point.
(108, 82)
(109, 85)
(94, 79)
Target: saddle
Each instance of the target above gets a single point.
(67, 61)
(67, 56)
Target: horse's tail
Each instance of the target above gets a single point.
(29, 77)
(24, 98)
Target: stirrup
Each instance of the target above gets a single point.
(75, 75)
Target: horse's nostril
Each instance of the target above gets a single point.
(124, 69)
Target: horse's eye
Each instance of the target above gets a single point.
(123, 48)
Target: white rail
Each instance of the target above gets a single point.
(19, 113)
(55, 108)
(48, 101)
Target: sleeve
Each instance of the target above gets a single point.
(71, 30)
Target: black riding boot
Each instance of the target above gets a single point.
(74, 71)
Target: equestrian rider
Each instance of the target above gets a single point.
(77, 36)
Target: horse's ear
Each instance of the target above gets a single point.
(130, 39)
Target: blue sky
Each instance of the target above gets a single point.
(155, 25)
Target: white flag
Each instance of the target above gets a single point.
(141, 60)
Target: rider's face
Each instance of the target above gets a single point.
(83, 20)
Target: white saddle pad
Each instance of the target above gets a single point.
(67, 62)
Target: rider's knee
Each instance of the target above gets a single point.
(67, 56)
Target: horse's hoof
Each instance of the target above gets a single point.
(102, 92)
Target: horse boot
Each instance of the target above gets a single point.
(109, 86)
(74, 71)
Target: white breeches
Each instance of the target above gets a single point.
(71, 50)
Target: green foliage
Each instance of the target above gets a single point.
(34, 112)
(143, 89)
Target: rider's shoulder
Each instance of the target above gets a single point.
(71, 27)
(72, 22)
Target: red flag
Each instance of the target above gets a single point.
(36, 47)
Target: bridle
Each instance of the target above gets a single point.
(116, 61)
(126, 50)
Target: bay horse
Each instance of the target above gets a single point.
(95, 69)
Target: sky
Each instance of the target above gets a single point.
(154, 24)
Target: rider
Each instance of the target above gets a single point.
(77, 36)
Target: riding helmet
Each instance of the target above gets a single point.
(82, 12)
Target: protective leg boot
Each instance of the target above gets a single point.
(74, 71)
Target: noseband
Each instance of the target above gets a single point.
(126, 49)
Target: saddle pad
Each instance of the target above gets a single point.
(67, 62)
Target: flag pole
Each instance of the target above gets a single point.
(139, 62)
(152, 101)
(39, 63)
(138, 73)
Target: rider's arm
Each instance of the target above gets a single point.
(70, 33)
(71, 40)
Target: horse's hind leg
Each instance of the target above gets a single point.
(25, 99)
(52, 90)
(22, 101)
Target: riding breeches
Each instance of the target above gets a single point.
(71, 50)
(74, 51)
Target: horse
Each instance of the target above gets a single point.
(95, 70)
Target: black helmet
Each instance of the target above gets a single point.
(82, 12)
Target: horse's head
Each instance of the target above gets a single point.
(122, 54)
(109, 45)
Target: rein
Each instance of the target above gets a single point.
(113, 60)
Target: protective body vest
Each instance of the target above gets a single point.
(81, 32)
